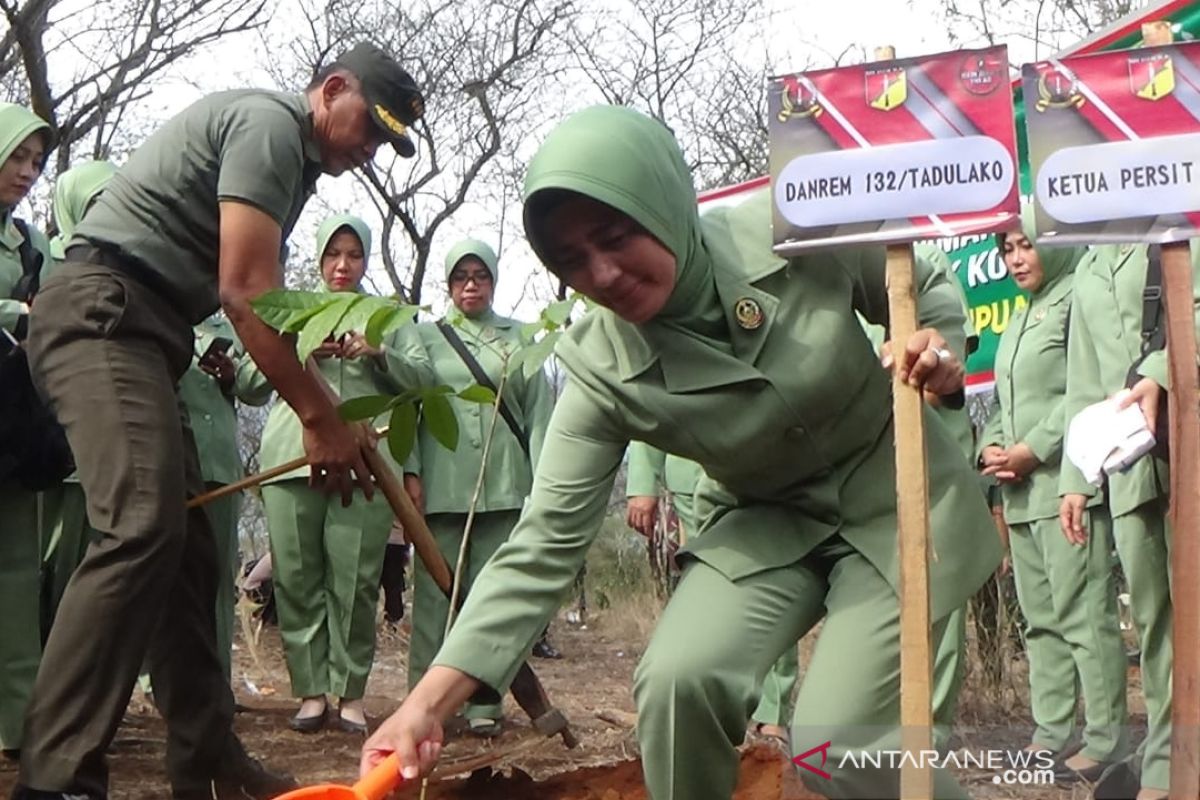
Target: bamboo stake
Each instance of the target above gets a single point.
(1183, 408)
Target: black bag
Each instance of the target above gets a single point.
(1154, 338)
(33, 446)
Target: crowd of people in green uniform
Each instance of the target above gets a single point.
(751, 390)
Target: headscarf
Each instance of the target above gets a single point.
(331, 225)
(1058, 263)
(74, 191)
(631, 162)
(17, 123)
(472, 247)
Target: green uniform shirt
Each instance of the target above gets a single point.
(1105, 340)
(650, 468)
(1029, 403)
(16, 124)
(11, 310)
(404, 365)
(162, 208)
(449, 477)
(211, 411)
(790, 417)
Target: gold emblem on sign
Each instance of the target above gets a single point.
(394, 125)
(748, 313)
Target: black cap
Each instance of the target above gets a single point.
(392, 95)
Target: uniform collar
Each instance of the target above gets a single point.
(312, 151)
(10, 237)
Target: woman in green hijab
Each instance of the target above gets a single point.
(74, 192)
(327, 558)
(708, 345)
(473, 338)
(1065, 589)
(25, 142)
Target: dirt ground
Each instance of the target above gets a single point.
(592, 685)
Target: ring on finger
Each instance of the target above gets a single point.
(941, 354)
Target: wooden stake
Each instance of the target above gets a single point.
(1183, 407)
(912, 512)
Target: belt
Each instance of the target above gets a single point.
(120, 262)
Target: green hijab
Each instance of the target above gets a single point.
(331, 225)
(473, 247)
(1058, 263)
(74, 191)
(16, 123)
(627, 160)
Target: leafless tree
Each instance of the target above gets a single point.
(1048, 25)
(83, 65)
(483, 66)
(693, 64)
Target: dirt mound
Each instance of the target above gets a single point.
(766, 774)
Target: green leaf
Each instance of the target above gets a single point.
(368, 407)
(298, 320)
(402, 431)
(323, 323)
(356, 318)
(385, 320)
(531, 329)
(440, 419)
(559, 312)
(478, 394)
(536, 354)
(278, 306)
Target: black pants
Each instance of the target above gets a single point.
(395, 561)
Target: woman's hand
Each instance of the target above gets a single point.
(355, 345)
(1147, 394)
(414, 732)
(1009, 466)
(926, 363)
(1070, 518)
(641, 514)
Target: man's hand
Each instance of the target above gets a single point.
(642, 514)
(222, 368)
(1070, 518)
(333, 454)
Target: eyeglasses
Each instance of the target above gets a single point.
(479, 277)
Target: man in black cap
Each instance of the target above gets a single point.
(194, 221)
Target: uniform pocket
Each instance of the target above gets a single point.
(102, 299)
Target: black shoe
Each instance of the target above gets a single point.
(1064, 775)
(1120, 781)
(240, 778)
(309, 724)
(25, 793)
(543, 649)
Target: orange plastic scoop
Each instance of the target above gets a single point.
(375, 785)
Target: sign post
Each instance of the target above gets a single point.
(1114, 139)
(888, 153)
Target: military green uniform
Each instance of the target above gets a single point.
(757, 369)
(1066, 591)
(21, 510)
(66, 532)
(648, 469)
(110, 336)
(450, 477)
(1104, 341)
(213, 418)
(327, 558)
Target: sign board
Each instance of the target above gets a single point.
(1114, 145)
(893, 151)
